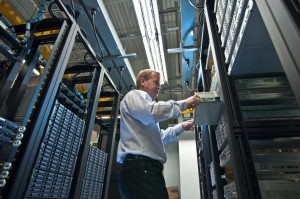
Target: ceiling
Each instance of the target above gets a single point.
(117, 27)
(125, 22)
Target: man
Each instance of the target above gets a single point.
(141, 148)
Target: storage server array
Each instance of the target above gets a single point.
(220, 13)
(4, 168)
(240, 34)
(214, 193)
(279, 189)
(256, 141)
(72, 100)
(10, 133)
(225, 157)
(227, 21)
(221, 134)
(212, 174)
(233, 28)
(277, 167)
(230, 191)
(56, 160)
(94, 174)
(10, 138)
(48, 185)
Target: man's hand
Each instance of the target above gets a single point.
(193, 101)
(188, 125)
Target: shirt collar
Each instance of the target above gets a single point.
(145, 95)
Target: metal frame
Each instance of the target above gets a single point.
(92, 105)
(42, 102)
(203, 179)
(272, 129)
(12, 42)
(8, 80)
(39, 123)
(284, 33)
(111, 143)
(199, 152)
(240, 131)
(36, 98)
(239, 160)
(204, 75)
(85, 21)
(216, 162)
(207, 160)
(19, 87)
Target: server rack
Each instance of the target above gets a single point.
(46, 124)
(253, 151)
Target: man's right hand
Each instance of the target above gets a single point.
(193, 101)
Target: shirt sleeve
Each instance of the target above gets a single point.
(171, 134)
(147, 111)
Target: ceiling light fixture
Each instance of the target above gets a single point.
(148, 19)
(36, 72)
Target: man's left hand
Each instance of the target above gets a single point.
(188, 125)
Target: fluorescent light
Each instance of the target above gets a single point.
(148, 19)
(123, 56)
(107, 117)
(130, 55)
(180, 50)
(35, 71)
(148, 53)
(172, 29)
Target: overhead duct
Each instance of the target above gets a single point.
(187, 42)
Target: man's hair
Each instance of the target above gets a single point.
(146, 74)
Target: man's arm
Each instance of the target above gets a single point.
(171, 134)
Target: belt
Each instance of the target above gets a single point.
(133, 157)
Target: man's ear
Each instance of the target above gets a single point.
(143, 81)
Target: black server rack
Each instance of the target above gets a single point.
(94, 174)
(253, 151)
(45, 122)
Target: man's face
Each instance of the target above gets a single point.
(152, 85)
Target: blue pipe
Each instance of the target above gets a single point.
(187, 40)
(37, 19)
(9, 25)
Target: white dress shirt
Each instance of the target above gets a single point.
(140, 132)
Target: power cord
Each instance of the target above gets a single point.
(194, 64)
(95, 33)
(187, 85)
(85, 58)
(51, 12)
(121, 76)
(195, 5)
(200, 17)
(201, 13)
